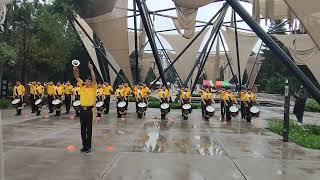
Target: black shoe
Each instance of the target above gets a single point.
(33, 112)
(88, 150)
(83, 150)
(50, 111)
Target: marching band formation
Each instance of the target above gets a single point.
(60, 94)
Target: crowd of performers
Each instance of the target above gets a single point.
(67, 94)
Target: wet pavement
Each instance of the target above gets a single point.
(48, 147)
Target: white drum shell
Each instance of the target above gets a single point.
(56, 101)
(16, 101)
(38, 101)
(164, 106)
(76, 103)
(186, 106)
(122, 104)
(99, 104)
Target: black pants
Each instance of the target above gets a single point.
(299, 117)
(50, 99)
(222, 109)
(107, 104)
(19, 106)
(32, 101)
(86, 118)
(248, 114)
(243, 110)
(228, 113)
(67, 102)
(37, 107)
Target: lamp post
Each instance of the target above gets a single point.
(286, 112)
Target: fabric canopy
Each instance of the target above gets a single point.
(186, 61)
(192, 4)
(131, 42)
(212, 66)
(87, 43)
(253, 67)
(186, 20)
(110, 24)
(303, 50)
(145, 64)
(247, 41)
(308, 12)
(274, 9)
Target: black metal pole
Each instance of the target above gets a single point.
(136, 41)
(99, 50)
(283, 57)
(225, 52)
(285, 133)
(216, 32)
(237, 49)
(191, 42)
(24, 54)
(149, 31)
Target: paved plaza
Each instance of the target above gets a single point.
(47, 148)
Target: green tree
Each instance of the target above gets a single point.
(8, 57)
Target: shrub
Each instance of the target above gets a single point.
(5, 103)
(312, 106)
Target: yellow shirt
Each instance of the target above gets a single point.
(87, 94)
(135, 90)
(59, 90)
(32, 89)
(100, 91)
(185, 95)
(146, 90)
(107, 90)
(253, 97)
(50, 89)
(19, 90)
(244, 97)
(164, 94)
(126, 91)
(68, 89)
(206, 96)
(76, 91)
(39, 90)
(119, 92)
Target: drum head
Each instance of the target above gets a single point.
(76, 103)
(254, 109)
(186, 106)
(164, 106)
(142, 105)
(56, 101)
(16, 101)
(233, 109)
(122, 104)
(38, 101)
(99, 104)
(210, 109)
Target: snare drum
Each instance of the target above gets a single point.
(76, 105)
(15, 102)
(164, 108)
(122, 104)
(254, 111)
(142, 105)
(99, 105)
(234, 110)
(186, 106)
(38, 102)
(210, 110)
(56, 102)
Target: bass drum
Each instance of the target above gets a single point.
(255, 111)
(234, 110)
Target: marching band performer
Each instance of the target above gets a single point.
(120, 97)
(164, 95)
(252, 99)
(39, 95)
(32, 91)
(243, 99)
(59, 92)
(223, 103)
(88, 92)
(50, 91)
(126, 93)
(68, 91)
(76, 95)
(206, 100)
(146, 92)
(18, 93)
(100, 97)
(107, 91)
(136, 90)
(185, 97)
(230, 99)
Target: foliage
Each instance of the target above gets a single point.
(43, 36)
(5, 103)
(272, 73)
(312, 106)
(307, 135)
(7, 54)
(133, 66)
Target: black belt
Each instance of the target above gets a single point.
(85, 108)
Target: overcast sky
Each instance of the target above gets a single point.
(204, 14)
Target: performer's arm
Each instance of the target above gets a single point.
(76, 74)
(93, 76)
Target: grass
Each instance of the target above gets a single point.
(312, 106)
(304, 135)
